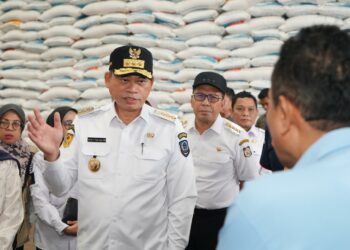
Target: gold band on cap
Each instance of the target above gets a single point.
(127, 63)
(124, 71)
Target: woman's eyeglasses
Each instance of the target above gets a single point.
(68, 124)
(5, 124)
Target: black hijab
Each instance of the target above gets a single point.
(62, 111)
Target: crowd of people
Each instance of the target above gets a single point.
(129, 176)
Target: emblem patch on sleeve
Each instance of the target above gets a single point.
(247, 152)
(182, 135)
(184, 148)
(243, 141)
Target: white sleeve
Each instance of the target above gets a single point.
(246, 164)
(45, 211)
(11, 206)
(62, 174)
(182, 194)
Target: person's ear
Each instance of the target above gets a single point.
(223, 102)
(287, 114)
(152, 81)
(192, 101)
(107, 78)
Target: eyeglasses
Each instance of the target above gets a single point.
(211, 98)
(68, 124)
(5, 124)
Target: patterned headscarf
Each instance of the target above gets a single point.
(20, 150)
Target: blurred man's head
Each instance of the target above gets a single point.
(264, 98)
(227, 108)
(245, 110)
(310, 91)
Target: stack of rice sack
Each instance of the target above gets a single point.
(55, 52)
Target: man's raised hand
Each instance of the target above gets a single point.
(48, 139)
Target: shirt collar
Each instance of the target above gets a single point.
(328, 143)
(216, 127)
(111, 112)
(252, 131)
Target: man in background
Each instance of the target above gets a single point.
(221, 156)
(245, 112)
(264, 102)
(226, 110)
(308, 206)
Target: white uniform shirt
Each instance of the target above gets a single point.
(220, 162)
(11, 206)
(143, 195)
(48, 211)
(257, 137)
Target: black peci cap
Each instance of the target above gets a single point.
(15, 108)
(210, 78)
(129, 59)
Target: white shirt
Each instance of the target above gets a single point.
(143, 195)
(257, 137)
(220, 162)
(11, 206)
(48, 210)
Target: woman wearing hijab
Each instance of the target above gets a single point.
(15, 160)
(50, 231)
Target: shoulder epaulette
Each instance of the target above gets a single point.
(261, 130)
(86, 110)
(165, 115)
(232, 127)
(184, 122)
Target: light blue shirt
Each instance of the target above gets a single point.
(305, 208)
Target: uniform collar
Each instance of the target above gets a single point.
(216, 127)
(218, 124)
(146, 110)
(253, 131)
(111, 112)
(328, 143)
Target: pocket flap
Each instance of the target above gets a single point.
(149, 153)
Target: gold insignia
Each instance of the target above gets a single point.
(150, 135)
(182, 135)
(218, 149)
(184, 123)
(86, 110)
(124, 71)
(68, 138)
(165, 115)
(134, 53)
(232, 127)
(94, 164)
(243, 141)
(254, 141)
(133, 63)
